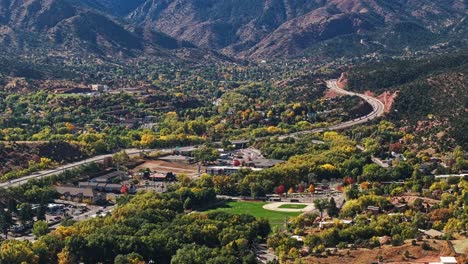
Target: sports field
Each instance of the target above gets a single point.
(256, 209)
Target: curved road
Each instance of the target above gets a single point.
(377, 106)
(378, 109)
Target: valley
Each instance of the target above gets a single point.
(243, 132)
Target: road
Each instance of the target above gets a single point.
(45, 173)
(378, 109)
(377, 106)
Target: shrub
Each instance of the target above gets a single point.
(426, 246)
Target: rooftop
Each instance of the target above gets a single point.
(73, 191)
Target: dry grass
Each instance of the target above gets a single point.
(390, 254)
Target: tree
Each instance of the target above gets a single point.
(25, 213)
(41, 212)
(206, 154)
(120, 158)
(321, 205)
(15, 251)
(280, 189)
(147, 140)
(5, 221)
(187, 203)
(332, 209)
(460, 162)
(65, 257)
(426, 246)
(397, 240)
(40, 228)
(132, 258)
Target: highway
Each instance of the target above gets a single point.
(378, 109)
(377, 106)
(45, 173)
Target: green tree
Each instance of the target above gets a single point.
(25, 213)
(321, 205)
(332, 209)
(352, 192)
(206, 154)
(5, 221)
(40, 228)
(41, 212)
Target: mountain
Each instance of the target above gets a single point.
(251, 29)
(118, 7)
(73, 26)
(269, 28)
(231, 25)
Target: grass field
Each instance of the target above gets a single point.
(293, 206)
(256, 209)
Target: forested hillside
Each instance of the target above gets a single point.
(432, 93)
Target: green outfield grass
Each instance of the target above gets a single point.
(293, 206)
(256, 209)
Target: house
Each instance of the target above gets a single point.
(298, 238)
(101, 187)
(162, 177)
(79, 194)
(326, 224)
(400, 207)
(239, 144)
(107, 178)
(186, 151)
(226, 170)
(99, 88)
(263, 163)
(398, 156)
(432, 233)
(373, 209)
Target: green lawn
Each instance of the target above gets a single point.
(293, 206)
(255, 209)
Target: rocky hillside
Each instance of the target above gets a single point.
(268, 28)
(252, 29)
(65, 25)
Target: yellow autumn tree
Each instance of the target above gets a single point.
(147, 140)
(70, 126)
(311, 188)
(65, 257)
(328, 167)
(15, 251)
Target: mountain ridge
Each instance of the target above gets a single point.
(245, 29)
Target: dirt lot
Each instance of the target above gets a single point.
(390, 254)
(461, 246)
(165, 167)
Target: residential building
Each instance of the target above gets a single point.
(79, 194)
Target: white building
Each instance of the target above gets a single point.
(99, 88)
(446, 260)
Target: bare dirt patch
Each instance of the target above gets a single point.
(174, 167)
(387, 98)
(390, 254)
(331, 94)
